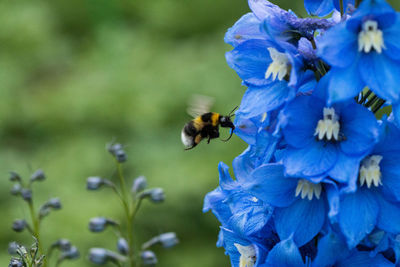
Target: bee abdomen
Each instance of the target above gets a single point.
(188, 134)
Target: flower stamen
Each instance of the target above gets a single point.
(370, 37)
(279, 67)
(328, 128)
(370, 172)
(307, 189)
(247, 255)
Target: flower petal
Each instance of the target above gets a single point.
(300, 118)
(259, 100)
(328, 247)
(313, 160)
(263, 8)
(250, 60)
(389, 216)
(318, 7)
(382, 75)
(338, 46)
(360, 129)
(302, 220)
(246, 28)
(285, 254)
(358, 215)
(390, 169)
(269, 185)
(344, 83)
(362, 259)
(346, 171)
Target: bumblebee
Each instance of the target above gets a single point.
(205, 126)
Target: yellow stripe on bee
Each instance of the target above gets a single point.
(198, 122)
(214, 119)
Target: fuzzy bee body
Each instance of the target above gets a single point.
(205, 126)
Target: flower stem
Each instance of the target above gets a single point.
(36, 230)
(128, 213)
(341, 8)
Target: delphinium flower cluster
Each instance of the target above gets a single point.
(37, 255)
(129, 254)
(319, 184)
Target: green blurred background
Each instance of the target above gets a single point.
(75, 74)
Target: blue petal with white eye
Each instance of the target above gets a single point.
(302, 220)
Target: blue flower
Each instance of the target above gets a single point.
(236, 209)
(300, 206)
(364, 51)
(241, 251)
(326, 140)
(377, 199)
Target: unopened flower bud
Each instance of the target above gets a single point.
(16, 189)
(19, 225)
(62, 244)
(14, 177)
(16, 263)
(70, 254)
(26, 194)
(148, 258)
(38, 176)
(54, 203)
(157, 195)
(168, 240)
(12, 248)
(117, 151)
(98, 224)
(94, 183)
(139, 184)
(120, 155)
(102, 256)
(122, 246)
(98, 255)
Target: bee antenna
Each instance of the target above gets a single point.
(230, 113)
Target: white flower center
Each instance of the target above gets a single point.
(247, 255)
(329, 126)
(307, 189)
(279, 66)
(370, 172)
(370, 37)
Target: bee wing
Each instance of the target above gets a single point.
(199, 104)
